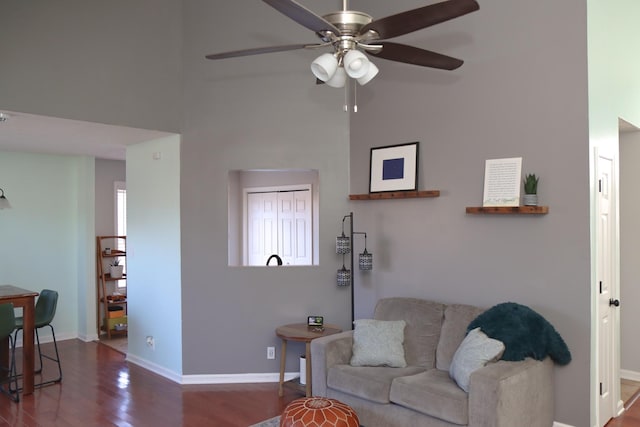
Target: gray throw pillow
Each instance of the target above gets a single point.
(475, 351)
(378, 343)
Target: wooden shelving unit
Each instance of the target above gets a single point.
(387, 195)
(108, 295)
(503, 210)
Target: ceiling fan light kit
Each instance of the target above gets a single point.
(371, 73)
(356, 64)
(324, 66)
(338, 79)
(351, 34)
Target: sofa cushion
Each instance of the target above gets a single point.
(433, 393)
(476, 350)
(454, 328)
(378, 343)
(421, 335)
(367, 382)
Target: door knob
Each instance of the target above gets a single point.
(614, 302)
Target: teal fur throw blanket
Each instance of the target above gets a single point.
(524, 333)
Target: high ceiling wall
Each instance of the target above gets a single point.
(522, 91)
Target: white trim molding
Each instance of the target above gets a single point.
(160, 370)
(629, 375)
(237, 378)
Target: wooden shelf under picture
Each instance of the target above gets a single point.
(387, 195)
(505, 210)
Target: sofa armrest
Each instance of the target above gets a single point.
(326, 352)
(506, 394)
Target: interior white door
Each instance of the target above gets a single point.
(294, 222)
(280, 222)
(605, 290)
(262, 224)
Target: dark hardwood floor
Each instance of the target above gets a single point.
(631, 415)
(100, 388)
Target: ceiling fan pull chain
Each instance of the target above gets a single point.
(345, 107)
(355, 97)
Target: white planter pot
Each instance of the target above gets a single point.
(116, 271)
(530, 200)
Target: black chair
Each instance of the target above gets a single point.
(7, 326)
(44, 313)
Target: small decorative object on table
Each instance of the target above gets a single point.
(315, 323)
(530, 197)
(318, 412)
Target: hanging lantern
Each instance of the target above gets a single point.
(343, 245)
(344, 276)
(365, 261)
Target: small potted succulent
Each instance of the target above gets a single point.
(530, 197)
(115, 269)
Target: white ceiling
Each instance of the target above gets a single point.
(50, 135)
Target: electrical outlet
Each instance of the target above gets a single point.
(151, 342)
(271, 352)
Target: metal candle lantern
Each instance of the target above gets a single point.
(343, 245)
(365, 262)
(344, 276)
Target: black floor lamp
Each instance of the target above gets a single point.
(344, 245)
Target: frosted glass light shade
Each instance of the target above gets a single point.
(339, 78)
(324, 66)
(373, 71)
(356, 64)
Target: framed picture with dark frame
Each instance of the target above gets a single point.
(394, 168)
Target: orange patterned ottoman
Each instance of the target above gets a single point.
(318, 412)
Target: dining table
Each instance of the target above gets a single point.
(25, 299)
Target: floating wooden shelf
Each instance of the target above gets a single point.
(503, 210)
(395, 195)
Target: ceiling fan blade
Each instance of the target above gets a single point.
(303, 16)
(261, 50)
(416, 19)
(416, 56)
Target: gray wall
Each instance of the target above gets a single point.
(522, 92)
(115, 62)
(259, 113)
(629, 253)
(505, 101)
(107, 172)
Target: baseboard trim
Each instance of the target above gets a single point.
(211, 378)
(557, 424)
(237, 378)
(157, 369)
(46, 338)
(629, 375)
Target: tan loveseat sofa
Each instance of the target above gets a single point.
(501, 394)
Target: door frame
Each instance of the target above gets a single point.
(618, 408)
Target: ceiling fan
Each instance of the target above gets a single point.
(351, 34)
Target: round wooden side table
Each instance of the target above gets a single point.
(302, 333)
